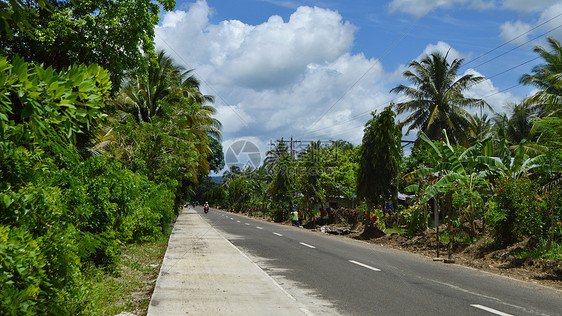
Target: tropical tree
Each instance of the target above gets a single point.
(380, 159)
(143, 93)
(113, 34)
(436, 98)
(311, 169)
(281, 188)
(547, 77)
(274, 155)
(460, 177)
(170, 98)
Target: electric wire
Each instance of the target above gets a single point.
(365, 74)
(513, 39)
(490, 77)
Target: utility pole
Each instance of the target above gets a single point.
(436, 225)
(292, 156)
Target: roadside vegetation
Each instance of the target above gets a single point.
(102, 139)
(496, 180)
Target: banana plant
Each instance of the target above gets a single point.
(464, 172)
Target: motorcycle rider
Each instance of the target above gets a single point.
(206, 207)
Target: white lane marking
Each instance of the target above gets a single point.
(231, 219)
(258, 227)
(307, 245)
(246, 224)
(491, 310)
(278, 234)
(364, 265)
(238, 221)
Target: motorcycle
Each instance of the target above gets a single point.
(206, 209)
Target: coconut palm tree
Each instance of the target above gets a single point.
(142, 93)
(436, 98)
(547, 77)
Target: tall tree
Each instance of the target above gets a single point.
(436, 98)
(380, 159)
(168, 92)
(59, 33)
(547, 77)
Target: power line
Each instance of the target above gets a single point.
(376, 107)
(493, 76)
(368, 70)
(513, 39)
(509, 51)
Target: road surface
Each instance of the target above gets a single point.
(358, 278)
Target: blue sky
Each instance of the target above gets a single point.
(316, 69)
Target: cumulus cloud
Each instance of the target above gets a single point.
(515, 31)
(419, 8)
(443, 48)
(552, 21)
(491, 94)
(279, 78)
(549, 24)
(276, 52)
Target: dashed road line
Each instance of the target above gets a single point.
(364, 265)
(307, 245)
(277, 234)
(258, 227)
(247, 224)
(491, 310)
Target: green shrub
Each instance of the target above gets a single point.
(414, 218)
(516, 211)
(39, 275)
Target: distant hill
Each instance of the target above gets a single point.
(216, 179)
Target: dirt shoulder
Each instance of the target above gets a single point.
(478, 255)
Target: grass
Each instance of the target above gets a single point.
(392, 230)
(131, 289)
(541, 251)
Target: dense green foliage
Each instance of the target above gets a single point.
(437, 100)
(112, 34)
(498, 176)
(80, 177)
(380, 159)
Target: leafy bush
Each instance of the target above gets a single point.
(414, 218)
(516, 211)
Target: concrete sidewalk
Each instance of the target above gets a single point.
(204, 274)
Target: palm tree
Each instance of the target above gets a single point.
(142, 93)
(436, 98)
(547, 77)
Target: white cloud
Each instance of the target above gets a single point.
(552, 19)
(528, 5)
(443, 48)
(491, 94)
(233, 117)
(420, 8)
(279, 78)
(515, 31)
(275, 53)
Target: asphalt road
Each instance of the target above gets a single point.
(364, 279)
